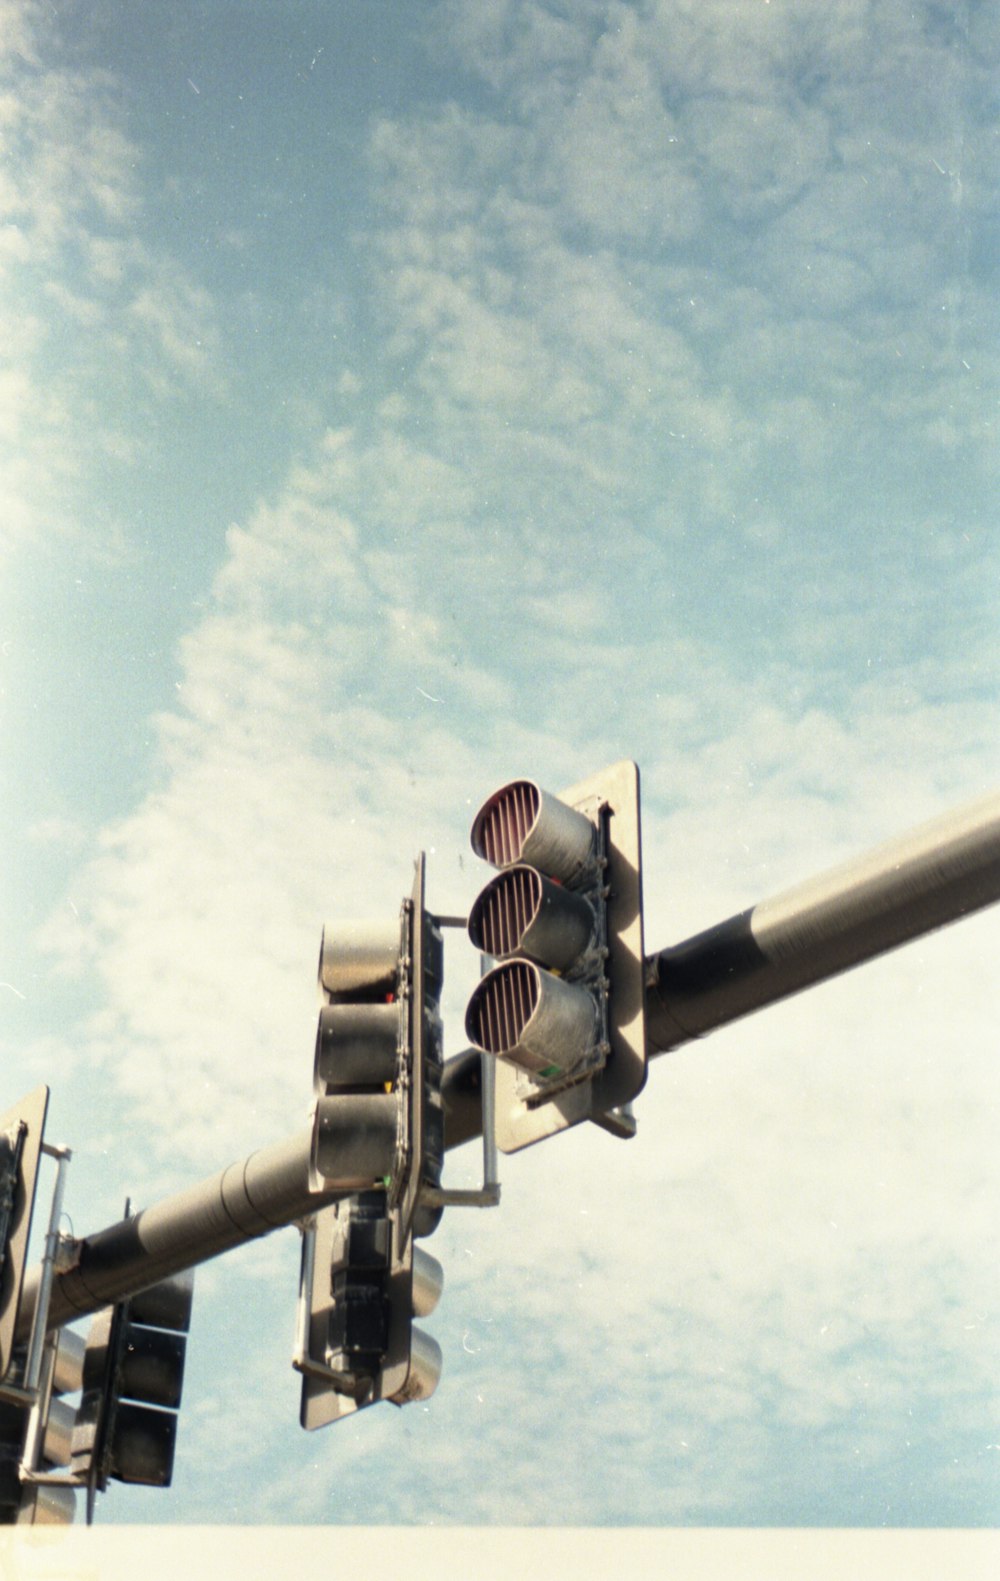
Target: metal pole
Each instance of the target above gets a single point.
(37, 1352)
(248, 1199)
(934, 875)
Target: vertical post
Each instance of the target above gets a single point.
(40, 1359)
(491, 1169)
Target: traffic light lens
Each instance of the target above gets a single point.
(521, 912)
(502, 1006)
(523, 823)
(532, 1019)
(504, 911)
(504, 822)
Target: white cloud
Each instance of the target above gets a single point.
(59, 832)
(85, 305)
(595, 513)
(511, 42)
(325, 730)
(787, 163)
(18, 21)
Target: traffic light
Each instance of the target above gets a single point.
(378, 1120)
(41, 1502)
(364, 1288)
(133, 1369)
(28, 1414)
(36, 1488)
(22, 1131)
(563, 1007)
(378, 1135)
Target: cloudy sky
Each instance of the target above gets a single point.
(398, 398)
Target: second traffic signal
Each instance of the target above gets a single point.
(378, 1121)
(364, 1287)
(133, 1369)
(378, 1137)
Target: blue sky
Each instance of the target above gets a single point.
(394, 399)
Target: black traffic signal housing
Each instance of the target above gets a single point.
(562, 1008)
(13, 1422)
(43, 1500)
(378, 1134)
(22, 1131)
(364, 1290)
(133, 1371)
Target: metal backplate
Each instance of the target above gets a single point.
(26, 1143)
(520, 1122)
(415, 991)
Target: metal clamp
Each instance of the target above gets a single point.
(39, 1366)
(488, 1195)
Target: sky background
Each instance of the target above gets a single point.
(397, 398)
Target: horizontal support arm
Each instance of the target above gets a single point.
(240, 1203)
(249, 1199)
(910, 886)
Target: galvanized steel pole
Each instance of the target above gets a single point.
(910, 886)
(246, 1200)
(263, 1192)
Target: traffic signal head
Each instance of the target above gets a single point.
(365, 1285)
(22, 1131)
(133, 1369)
(378, 1120)
(378, 1137)
(359, 1043)
(562, 1008)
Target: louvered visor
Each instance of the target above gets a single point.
(505, 911)
(522, 913)
(502, 1006)
(522, 823)
(504, 823)
(530, 1018)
